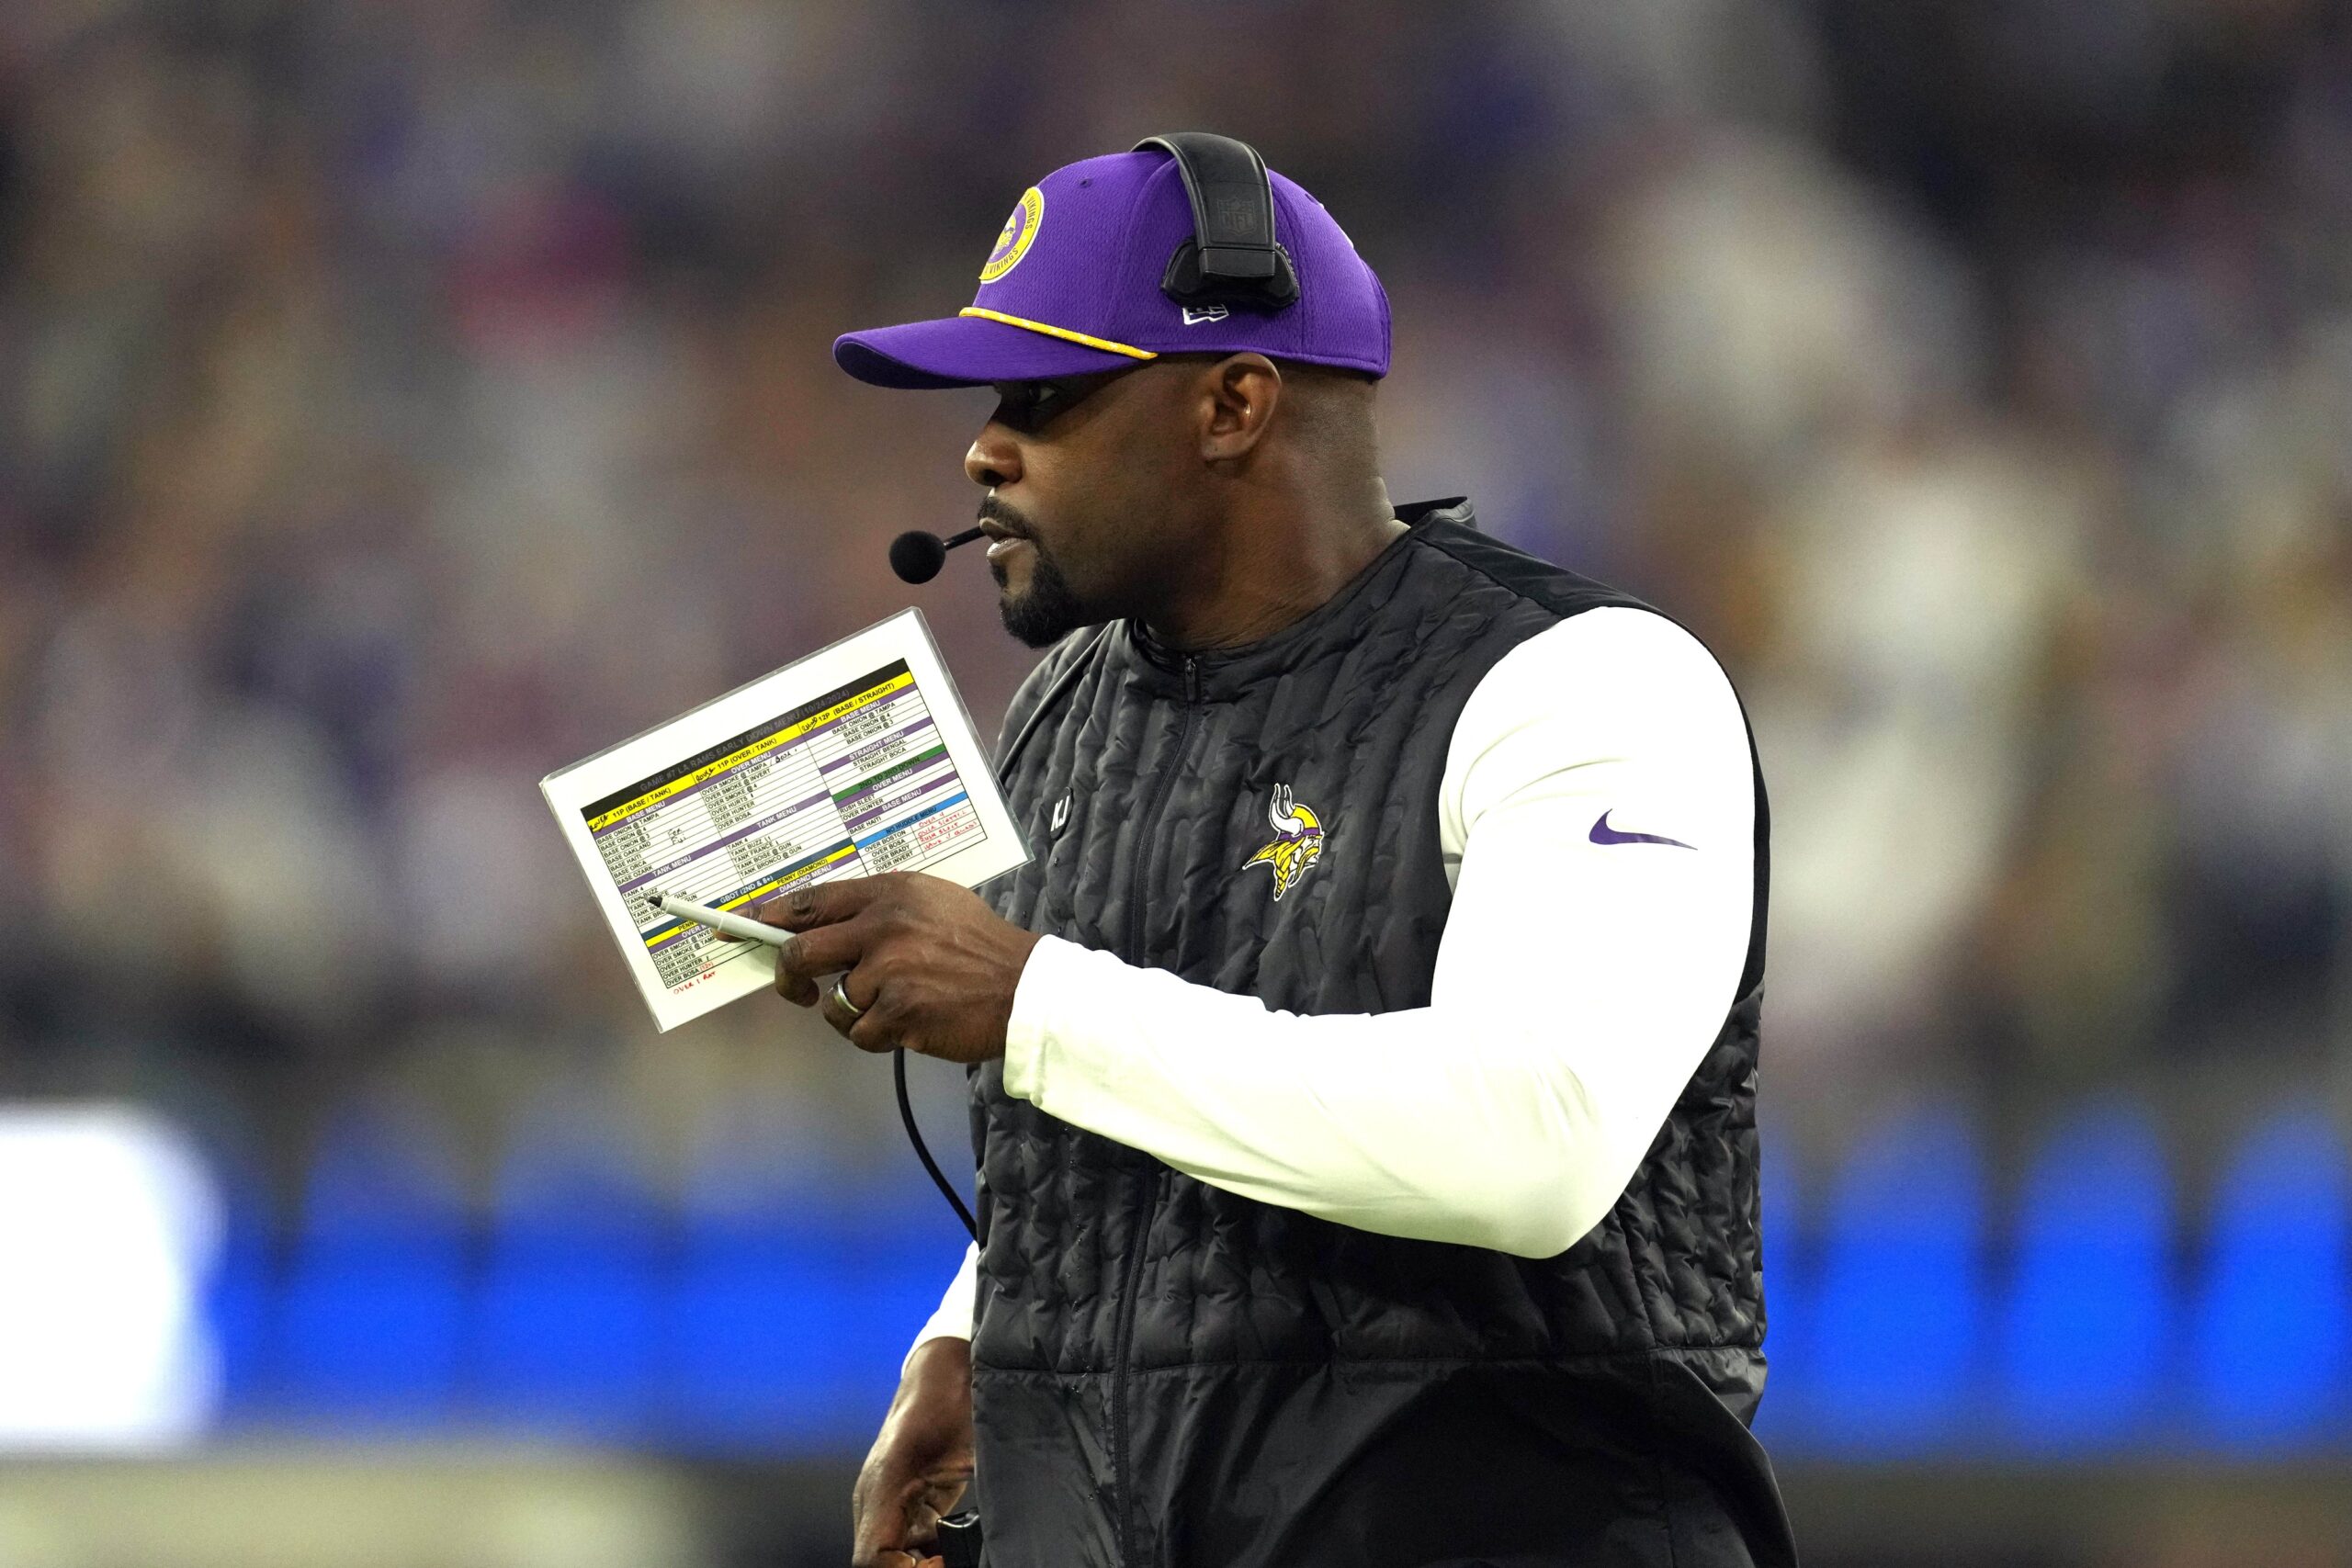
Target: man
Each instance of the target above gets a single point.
(1365, 1062)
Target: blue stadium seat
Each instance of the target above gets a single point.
(1898, 1306)
(766, 1304)
(800, 1282)
(907, 1245)
(799, 1291)
(2274, 1327)
(239, 1298)
(572, 1287)
(2091, 1310)
(370, 1323)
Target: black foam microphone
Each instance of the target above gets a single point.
(917, 556)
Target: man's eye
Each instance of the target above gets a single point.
(1032, 403)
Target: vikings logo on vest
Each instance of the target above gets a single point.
(1020, 229)
(1300, 844)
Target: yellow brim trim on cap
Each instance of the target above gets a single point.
(1062, 333)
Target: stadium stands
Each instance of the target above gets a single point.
(1914, 1311)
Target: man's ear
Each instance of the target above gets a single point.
(1238, 395)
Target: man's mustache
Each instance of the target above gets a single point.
(1006, 516)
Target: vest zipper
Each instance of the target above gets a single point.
(1149, 820)
(1124, 1328)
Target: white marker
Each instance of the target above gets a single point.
(724, 920)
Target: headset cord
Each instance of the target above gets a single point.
(922, 1150)
(1062, 684)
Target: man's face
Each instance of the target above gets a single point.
(1086, 494)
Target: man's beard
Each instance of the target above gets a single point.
(1049, 611)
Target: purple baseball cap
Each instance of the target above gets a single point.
(1073, 286)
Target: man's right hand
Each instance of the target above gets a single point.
(919, 1462)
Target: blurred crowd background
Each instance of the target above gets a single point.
(399, 400)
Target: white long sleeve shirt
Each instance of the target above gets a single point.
(1597, 816)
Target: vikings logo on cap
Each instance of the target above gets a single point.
(1019, 231)
(1300, 844)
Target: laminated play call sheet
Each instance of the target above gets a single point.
(856, 759)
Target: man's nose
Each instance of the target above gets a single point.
(994, 458)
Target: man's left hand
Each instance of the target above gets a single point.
(926, 965)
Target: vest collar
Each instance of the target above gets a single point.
(1222, 671)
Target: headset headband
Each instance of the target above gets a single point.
(1233, 258)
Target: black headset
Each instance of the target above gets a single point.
(1233, 258)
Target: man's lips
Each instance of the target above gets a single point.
(1004, 537)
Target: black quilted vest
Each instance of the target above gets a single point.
(1165, 1373)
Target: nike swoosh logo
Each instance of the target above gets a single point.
(1603, 833)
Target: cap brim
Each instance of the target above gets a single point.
(965, 351)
